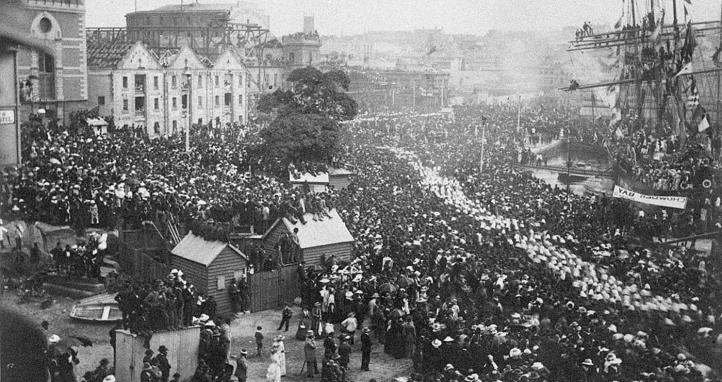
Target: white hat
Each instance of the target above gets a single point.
(109, 378)
(54, 339)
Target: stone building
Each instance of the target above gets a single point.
(164, 91)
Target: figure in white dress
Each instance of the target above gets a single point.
(273, 374)
(280, 353)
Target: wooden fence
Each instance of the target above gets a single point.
(270, 290)
(137, 262)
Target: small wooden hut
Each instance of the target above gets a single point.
(210, 266)
(317, 238)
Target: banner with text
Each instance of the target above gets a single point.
(663, 201)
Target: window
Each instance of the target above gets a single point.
(217, 81)
(184, 101)
(156, 104)
(227, 99)
(275, 79)
(200, 101)
(200, 81)
(240, 99)
(45, 25)
(155, 82)
(173, 81)
(139, 104)
(125, 82)
(221, 282)
(218, 101)
(240, 80)
(248, 80)
(162, 21)
(292, 57)
(101, 100)
(125, 105)
(174, 103)
(46, 63)
(175, 126)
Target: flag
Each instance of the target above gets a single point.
(703, 124)
(431, 50)
(693, 97)
(687, 69)
(618, 24)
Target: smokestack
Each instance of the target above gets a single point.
(308, 24)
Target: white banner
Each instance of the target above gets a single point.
(663, 201)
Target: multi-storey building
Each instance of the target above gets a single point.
(165, 91)
(56, 84)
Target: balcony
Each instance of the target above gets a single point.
(140, 89)
(140, 114)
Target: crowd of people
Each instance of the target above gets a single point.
(541, 283)
(124, 179)
(472, 268)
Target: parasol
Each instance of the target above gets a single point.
(387, 287)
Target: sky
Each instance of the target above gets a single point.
(346, 17)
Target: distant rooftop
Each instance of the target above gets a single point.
(198, 7)
(106, 55)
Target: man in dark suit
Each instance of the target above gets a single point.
(242, 366)
(365, 349)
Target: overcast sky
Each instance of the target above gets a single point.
(455, 16)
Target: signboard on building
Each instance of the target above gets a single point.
(7, 117)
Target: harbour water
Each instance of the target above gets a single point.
(581, 158)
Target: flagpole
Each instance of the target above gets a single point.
(518, 116)
(483, 139)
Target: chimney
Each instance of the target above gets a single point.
(308, 24)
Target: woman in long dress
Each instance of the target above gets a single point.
(273, 374)
(280, 353)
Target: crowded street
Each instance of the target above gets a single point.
(473, 213)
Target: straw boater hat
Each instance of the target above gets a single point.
(109, 378)
(309, 333)
(588, 362)
(436, 343)
(54, 339)
(280, 337)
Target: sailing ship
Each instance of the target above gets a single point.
(663, 78)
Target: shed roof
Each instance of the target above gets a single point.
(318, 233)
(333, 171)
(199, 250)
(320, 178)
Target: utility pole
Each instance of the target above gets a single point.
(518, 116)
(483, 140)
(189, 79)
(719, 80)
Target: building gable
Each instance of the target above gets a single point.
(186, 59)
(138, 57)
(228, 60)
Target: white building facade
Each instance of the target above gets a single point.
(165, 92)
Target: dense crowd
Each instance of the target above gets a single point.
(123, 179)
(503, 277)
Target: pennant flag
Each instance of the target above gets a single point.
(703, 124)
(687, 69)
(693, 97)
(618, 24)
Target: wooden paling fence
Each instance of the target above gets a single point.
(270, 290)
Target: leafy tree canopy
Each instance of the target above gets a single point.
(306, 125)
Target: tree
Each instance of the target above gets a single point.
(307, 117)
